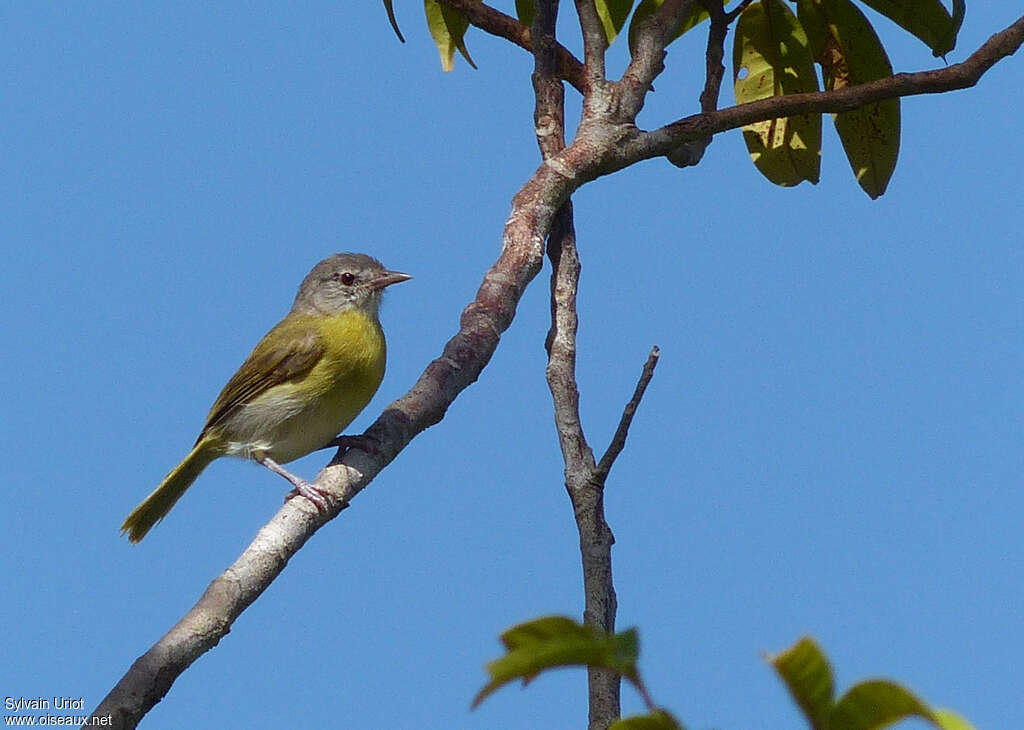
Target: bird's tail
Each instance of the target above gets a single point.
(159, 503)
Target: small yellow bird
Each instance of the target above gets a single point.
(303, 383)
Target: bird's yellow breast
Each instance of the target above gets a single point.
(354, 358)
(295, 418)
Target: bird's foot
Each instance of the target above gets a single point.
(320, 499)
(369, 444)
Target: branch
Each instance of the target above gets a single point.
(715, 71)
(619, 439)
(586, 492)
(595, 43)
(561, 349)
(691, 153)
(648, 56)
(646, 145)
(549, 95)
(504, 26)
(585, 480)
(599, 595)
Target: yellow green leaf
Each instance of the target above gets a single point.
(928, 20)
(848, 49)
(869, 705)
(447, 28)
(876, 704)
(613, 14)
(808, 676)
(949, 720)
(646, 8)
(948, 41)
(770, 58)
(656, 720)
(556, 641)
(524, 11)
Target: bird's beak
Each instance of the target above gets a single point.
(387, 278)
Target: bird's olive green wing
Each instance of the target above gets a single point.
(286, 353)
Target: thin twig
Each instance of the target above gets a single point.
(715, 70)
(618, 441)
(499, 24)
(595, 43)
(549, 94)
(691, 153)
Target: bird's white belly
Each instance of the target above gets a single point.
(284, 427)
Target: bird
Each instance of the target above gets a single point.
(302, 384)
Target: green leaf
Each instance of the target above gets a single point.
(647, 8)
(524, 11)
(848, 49)
(949, 720)
(613, 14)
(870, 705)
(806, 671)
(656, 720)
(542, 629)
(771, 58)
(556, 641)
(876, 704)
(447, 28)
(389, 7)
(948, 41)
(927, 19)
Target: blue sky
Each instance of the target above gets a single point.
(831, 444)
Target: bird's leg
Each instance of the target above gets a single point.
(318, 497)
(369, 444)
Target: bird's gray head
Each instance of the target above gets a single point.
(345, 280)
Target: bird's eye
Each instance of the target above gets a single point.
(348, 278)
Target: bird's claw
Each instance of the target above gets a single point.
(320, 499)
(369, 444)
